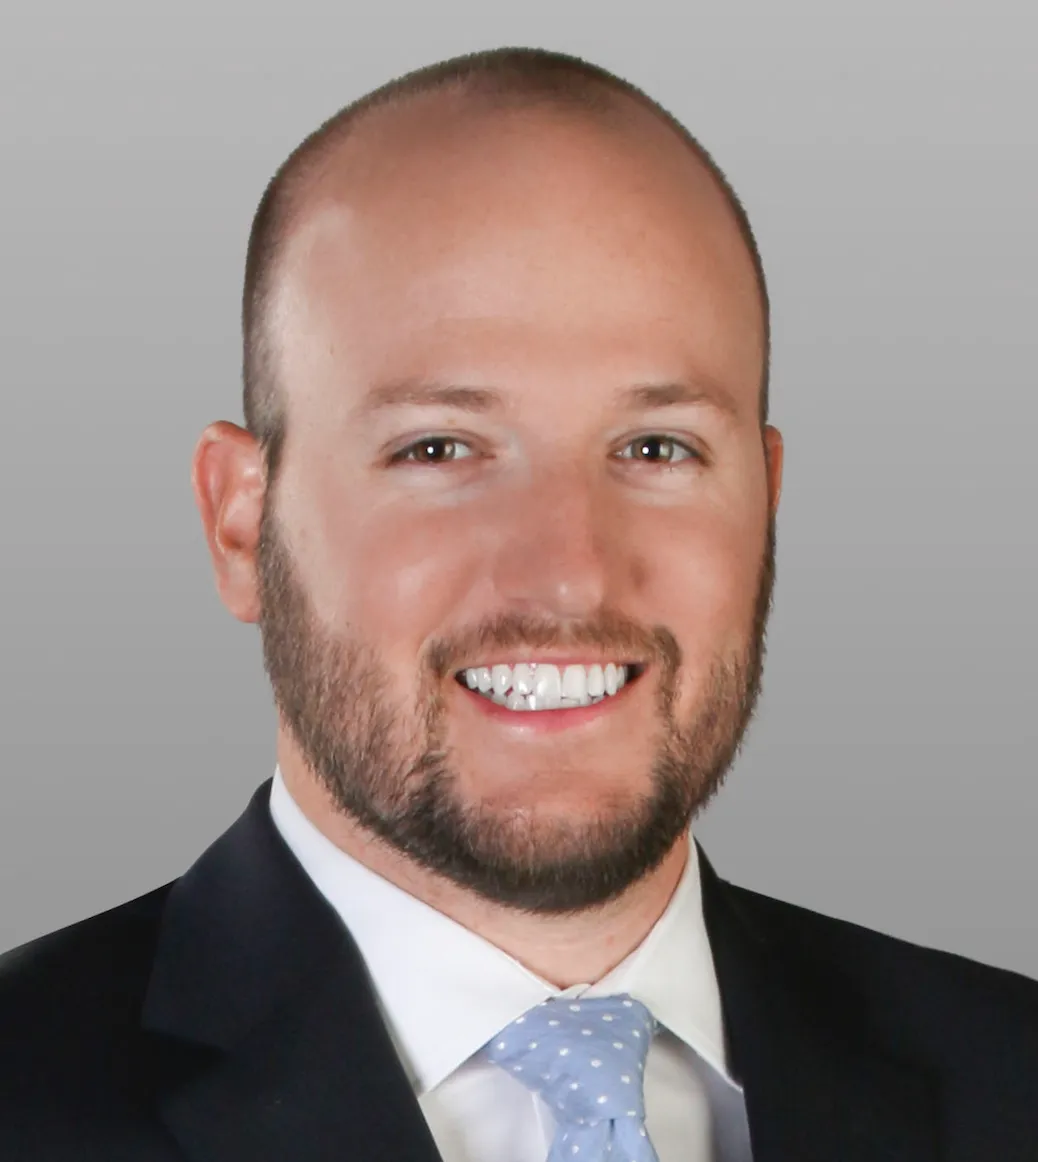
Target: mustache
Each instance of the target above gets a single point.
(610, 632)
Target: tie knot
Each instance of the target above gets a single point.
(584, 1057)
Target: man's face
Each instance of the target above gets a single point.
(548, 514)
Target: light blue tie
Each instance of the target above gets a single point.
(586, 1059)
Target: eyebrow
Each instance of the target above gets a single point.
(641, 397)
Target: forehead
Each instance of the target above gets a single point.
(533, 237)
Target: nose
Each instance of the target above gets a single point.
(552, 557)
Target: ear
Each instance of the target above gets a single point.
(229, 481)
(773, 453)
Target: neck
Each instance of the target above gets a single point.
(562, 950)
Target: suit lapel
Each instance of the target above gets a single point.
(267, 1040)
(815, 1089)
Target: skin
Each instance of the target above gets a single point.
(555, 258)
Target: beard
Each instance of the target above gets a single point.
(386, 766)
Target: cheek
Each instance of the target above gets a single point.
(410, 569)
(392, 578)
(701, 583)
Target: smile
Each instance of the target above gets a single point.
(534, 686)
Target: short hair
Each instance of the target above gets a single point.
(523, 76)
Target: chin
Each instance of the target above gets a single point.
(567, 796)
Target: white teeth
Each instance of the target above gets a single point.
(574, 685)
(547, 687)
(541, 686)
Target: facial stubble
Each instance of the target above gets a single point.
(386, 765)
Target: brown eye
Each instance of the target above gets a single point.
(657, 449)
(432, 450)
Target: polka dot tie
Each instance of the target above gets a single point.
(586, 1059)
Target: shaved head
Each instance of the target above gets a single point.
(506, 351)
(493, 83)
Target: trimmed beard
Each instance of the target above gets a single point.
(335, 698)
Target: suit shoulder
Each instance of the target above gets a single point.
(912, 983)
(98, 957)
(71, 1050)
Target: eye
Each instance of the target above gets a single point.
(431, 450)
(658, 449)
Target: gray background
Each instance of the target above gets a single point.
(888, 156)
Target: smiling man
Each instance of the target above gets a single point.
(504, 510)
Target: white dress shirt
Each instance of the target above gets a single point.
(444, 992)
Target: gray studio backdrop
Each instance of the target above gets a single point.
(888, 155)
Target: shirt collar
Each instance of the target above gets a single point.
(672, 973)
(444, 991)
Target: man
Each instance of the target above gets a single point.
(504, 510)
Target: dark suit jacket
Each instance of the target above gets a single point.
(227, 1017)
